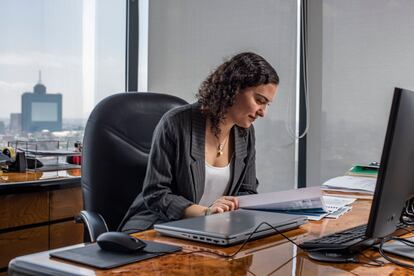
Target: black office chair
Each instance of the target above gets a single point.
(116, 144)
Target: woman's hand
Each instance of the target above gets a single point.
(223, 204)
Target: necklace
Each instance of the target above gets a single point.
(220, 147)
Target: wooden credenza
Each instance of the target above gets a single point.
(37, 214)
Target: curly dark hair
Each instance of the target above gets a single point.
(217, 93)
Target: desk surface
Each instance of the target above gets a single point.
(13, 182)
(267, 256)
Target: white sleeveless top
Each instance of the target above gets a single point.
(216, 184)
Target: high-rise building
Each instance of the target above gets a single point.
(41, 110)
(15, 123)
(2, 127)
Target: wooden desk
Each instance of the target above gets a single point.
(36, 212)
(267, 256)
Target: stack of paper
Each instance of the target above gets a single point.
(351, 184)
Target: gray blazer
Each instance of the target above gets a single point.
(176, 169)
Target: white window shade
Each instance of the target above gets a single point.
(187, 39)
(367, 51)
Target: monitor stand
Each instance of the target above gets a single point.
(333, 257)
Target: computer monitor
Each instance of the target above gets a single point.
(395, 183)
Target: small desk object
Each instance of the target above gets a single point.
(272, 255)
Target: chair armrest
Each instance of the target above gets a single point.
(94, 222)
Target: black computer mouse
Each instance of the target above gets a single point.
(119, 242)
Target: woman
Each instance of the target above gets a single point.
(203, 154)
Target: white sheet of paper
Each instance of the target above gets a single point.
(316, 216)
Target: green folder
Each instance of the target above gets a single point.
(361, 170)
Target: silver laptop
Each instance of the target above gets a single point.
(230, 227)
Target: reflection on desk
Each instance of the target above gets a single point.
(20, 177)
(271, 255)
(30, 176)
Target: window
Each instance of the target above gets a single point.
(366, 53)
(187, 39)
(58, 58)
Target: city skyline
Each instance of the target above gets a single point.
(71, 42)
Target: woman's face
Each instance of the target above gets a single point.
(250, 104)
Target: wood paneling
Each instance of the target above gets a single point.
(65, 233)
(17, 243)
(22, 209)
(25, 209)
(65, 203)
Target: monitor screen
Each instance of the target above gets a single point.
(395, 183)
(44, 112)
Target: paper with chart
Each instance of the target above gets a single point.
(333, 203)
(337, 206)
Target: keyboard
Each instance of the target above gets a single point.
(349, 240)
